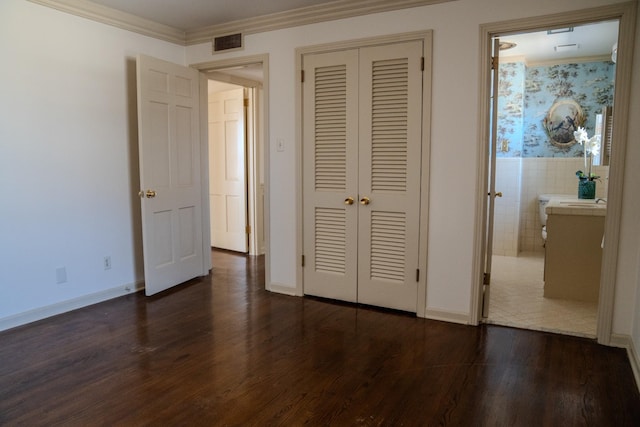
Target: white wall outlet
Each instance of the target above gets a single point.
(107, 263)
(61, 275)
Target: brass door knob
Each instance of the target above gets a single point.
(150, 194)
(498, 194)
(348, 201)
(365, 200)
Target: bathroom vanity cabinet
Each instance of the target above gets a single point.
(573, 251)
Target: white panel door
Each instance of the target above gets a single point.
(330, 181)
(362, 138)
(168, 137)
(389, 180)
(227, 175)
(495, 77)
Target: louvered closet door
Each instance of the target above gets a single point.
(330, 169)
(390, 151)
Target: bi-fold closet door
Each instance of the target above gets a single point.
(362, 133)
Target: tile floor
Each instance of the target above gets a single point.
(517, 299)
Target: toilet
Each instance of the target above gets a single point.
(543, 200)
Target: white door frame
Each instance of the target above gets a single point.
(426, 38)
(253, 180)
(625, 13)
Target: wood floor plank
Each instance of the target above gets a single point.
(220, 350)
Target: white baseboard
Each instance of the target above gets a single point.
(635, 363)
(65, 306)
(282, 289)
(619, 340)
(447, 316)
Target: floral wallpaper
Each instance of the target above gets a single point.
(527, 93)
(511, 94)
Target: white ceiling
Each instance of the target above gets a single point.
(194, 14)
(591, 40)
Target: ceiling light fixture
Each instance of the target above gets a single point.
(506, 45)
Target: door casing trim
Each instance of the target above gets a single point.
(625, 13)
(426, 37)
(204, 67)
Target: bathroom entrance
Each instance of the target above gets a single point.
(532, 160)
(536, 162)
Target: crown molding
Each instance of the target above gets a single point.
(577, 60)
(338, 9)
(549, 62)
(303, 16)
(116, 18)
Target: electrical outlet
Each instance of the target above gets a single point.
(107, 263)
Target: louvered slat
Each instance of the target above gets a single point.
(330, 230)
(330, 128)
(389, 125)
(388, 250)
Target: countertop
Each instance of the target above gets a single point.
(584, 207)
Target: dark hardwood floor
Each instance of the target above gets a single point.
(222, 351)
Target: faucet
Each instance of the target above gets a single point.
(601, 200)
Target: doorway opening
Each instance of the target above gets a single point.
(236, 184)
(624, 15)
(250, 74)
(539, 74)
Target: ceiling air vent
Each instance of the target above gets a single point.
(228, 42)
(566, 47)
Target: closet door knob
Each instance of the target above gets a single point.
(365, 200)
(348, 201)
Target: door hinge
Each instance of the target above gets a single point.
(302, 76)
(303, 260)
(422, 64)
(248, 229)
(417, 274)
(246, 102)
(486, 279)
(494, 65)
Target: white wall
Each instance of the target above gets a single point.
(68, 173)
(629, 258)
(453, 137)
(68, 156)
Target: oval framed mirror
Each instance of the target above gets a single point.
(564, 117)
